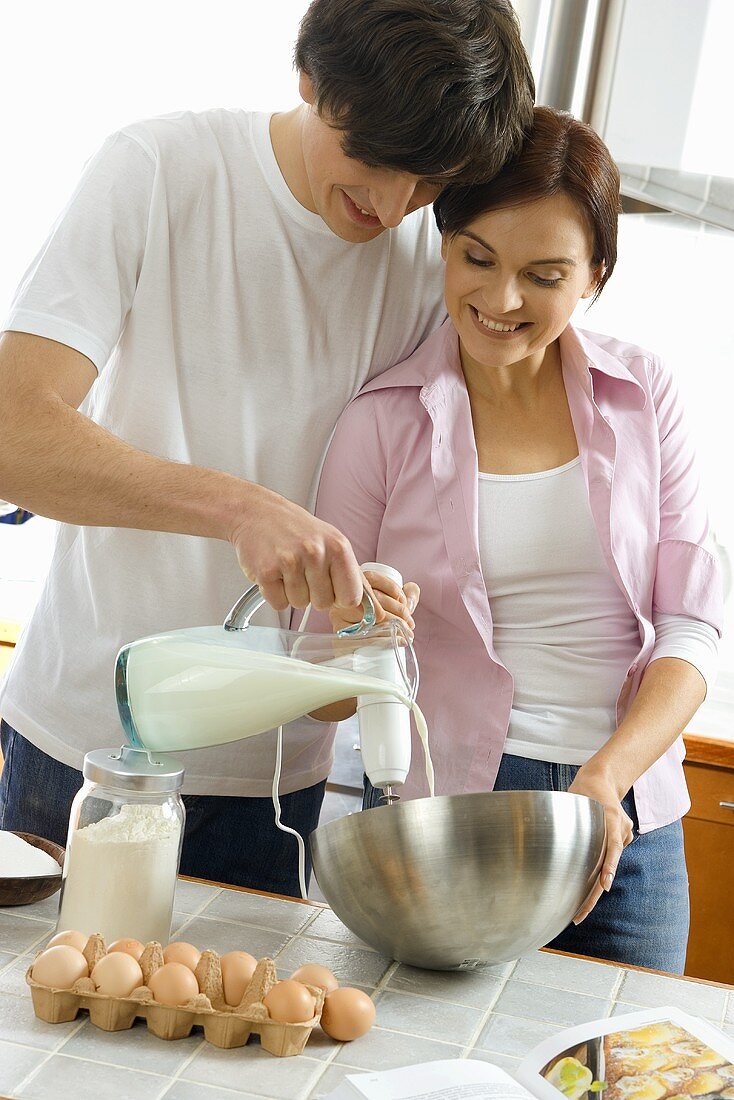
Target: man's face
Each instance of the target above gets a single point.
(356, 201)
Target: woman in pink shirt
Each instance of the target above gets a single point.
(537, 484)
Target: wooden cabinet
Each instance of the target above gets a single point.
(709, 838)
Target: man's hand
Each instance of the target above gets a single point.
(599, 785)
(295, 558)
(391, 602)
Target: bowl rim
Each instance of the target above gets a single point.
(58, 855)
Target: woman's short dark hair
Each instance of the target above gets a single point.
(560, 156)
(429, 87)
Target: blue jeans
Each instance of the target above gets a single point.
(226, 839)
(643, 920)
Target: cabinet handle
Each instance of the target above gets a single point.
(727, 805)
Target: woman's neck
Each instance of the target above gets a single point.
(523, 383)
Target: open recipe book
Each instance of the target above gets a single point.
(654, 1054)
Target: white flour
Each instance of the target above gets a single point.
(19, 859)
(122, 874)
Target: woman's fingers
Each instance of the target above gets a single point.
(413, 594)
(619, 835)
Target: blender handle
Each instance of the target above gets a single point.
(252, 600)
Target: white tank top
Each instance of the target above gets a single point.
(562, 627)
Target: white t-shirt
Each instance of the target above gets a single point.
(561, 625)
(230, 328)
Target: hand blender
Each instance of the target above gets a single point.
(384, 722)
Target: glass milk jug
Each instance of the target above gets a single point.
(123, 846)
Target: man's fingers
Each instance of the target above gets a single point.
(274, 593)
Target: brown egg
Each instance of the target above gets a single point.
(313, 974)
(117, 974)
(289, 1002)
(128, 947)
(173, 984)
(237, 970)
(59, 967)
(70, 939)
(347, 1014)
(184, 953)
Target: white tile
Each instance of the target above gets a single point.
(19, 934)
(514, 1037)
(135, 1047)
(562, 972)
(423, 1016)
(327, 926)
(280, 916)
(223, 936)
(333, 1076)
(16, 1063)
(191, 896)
(12, 980)
(62, 1077)
(477, 988)
(351, 966)
(381, 1049)
(509, 1065)
(537, 1002)
(187, 1090)
(18, 1024)
(654, 990)
(252, 1069)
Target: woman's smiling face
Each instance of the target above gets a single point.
(514, 277)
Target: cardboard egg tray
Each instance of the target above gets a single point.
(223, 1025)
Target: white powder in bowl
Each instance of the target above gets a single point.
(19, 859)
(121, 875)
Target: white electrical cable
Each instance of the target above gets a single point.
(276, 792)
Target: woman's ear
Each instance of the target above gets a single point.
(444, 246)
(597, 274)
(306, 88)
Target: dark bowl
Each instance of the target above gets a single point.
(26, 890)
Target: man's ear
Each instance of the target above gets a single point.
(306, 89)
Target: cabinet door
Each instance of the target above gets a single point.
(709, 840)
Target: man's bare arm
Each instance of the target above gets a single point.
(58, 463)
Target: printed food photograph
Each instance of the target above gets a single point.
(659, 1061)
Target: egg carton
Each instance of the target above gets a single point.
(224, 1026)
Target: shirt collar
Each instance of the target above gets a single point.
(435, 366)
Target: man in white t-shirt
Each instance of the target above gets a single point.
(175, 361)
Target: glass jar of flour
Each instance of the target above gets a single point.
(123, 846)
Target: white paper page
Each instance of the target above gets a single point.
(536, 1070)
(458, 1079)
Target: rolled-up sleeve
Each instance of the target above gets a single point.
(688, 576)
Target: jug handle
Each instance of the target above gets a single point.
(252, 600)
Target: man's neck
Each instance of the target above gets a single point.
(286, 138)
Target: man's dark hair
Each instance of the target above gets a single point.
(429, 87)
(561, 156)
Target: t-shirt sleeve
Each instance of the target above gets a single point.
(80, 287)
(352, 490)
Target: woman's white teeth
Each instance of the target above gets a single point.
(494, 326)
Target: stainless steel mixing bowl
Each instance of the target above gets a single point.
(450, 882)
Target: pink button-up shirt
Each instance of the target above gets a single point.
(400, 480)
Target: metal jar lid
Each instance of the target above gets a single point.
(133, 770)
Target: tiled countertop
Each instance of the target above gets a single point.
(495, 1015)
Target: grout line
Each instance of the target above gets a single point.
(30, 1076)
(471, 1045)
(187, 1062)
